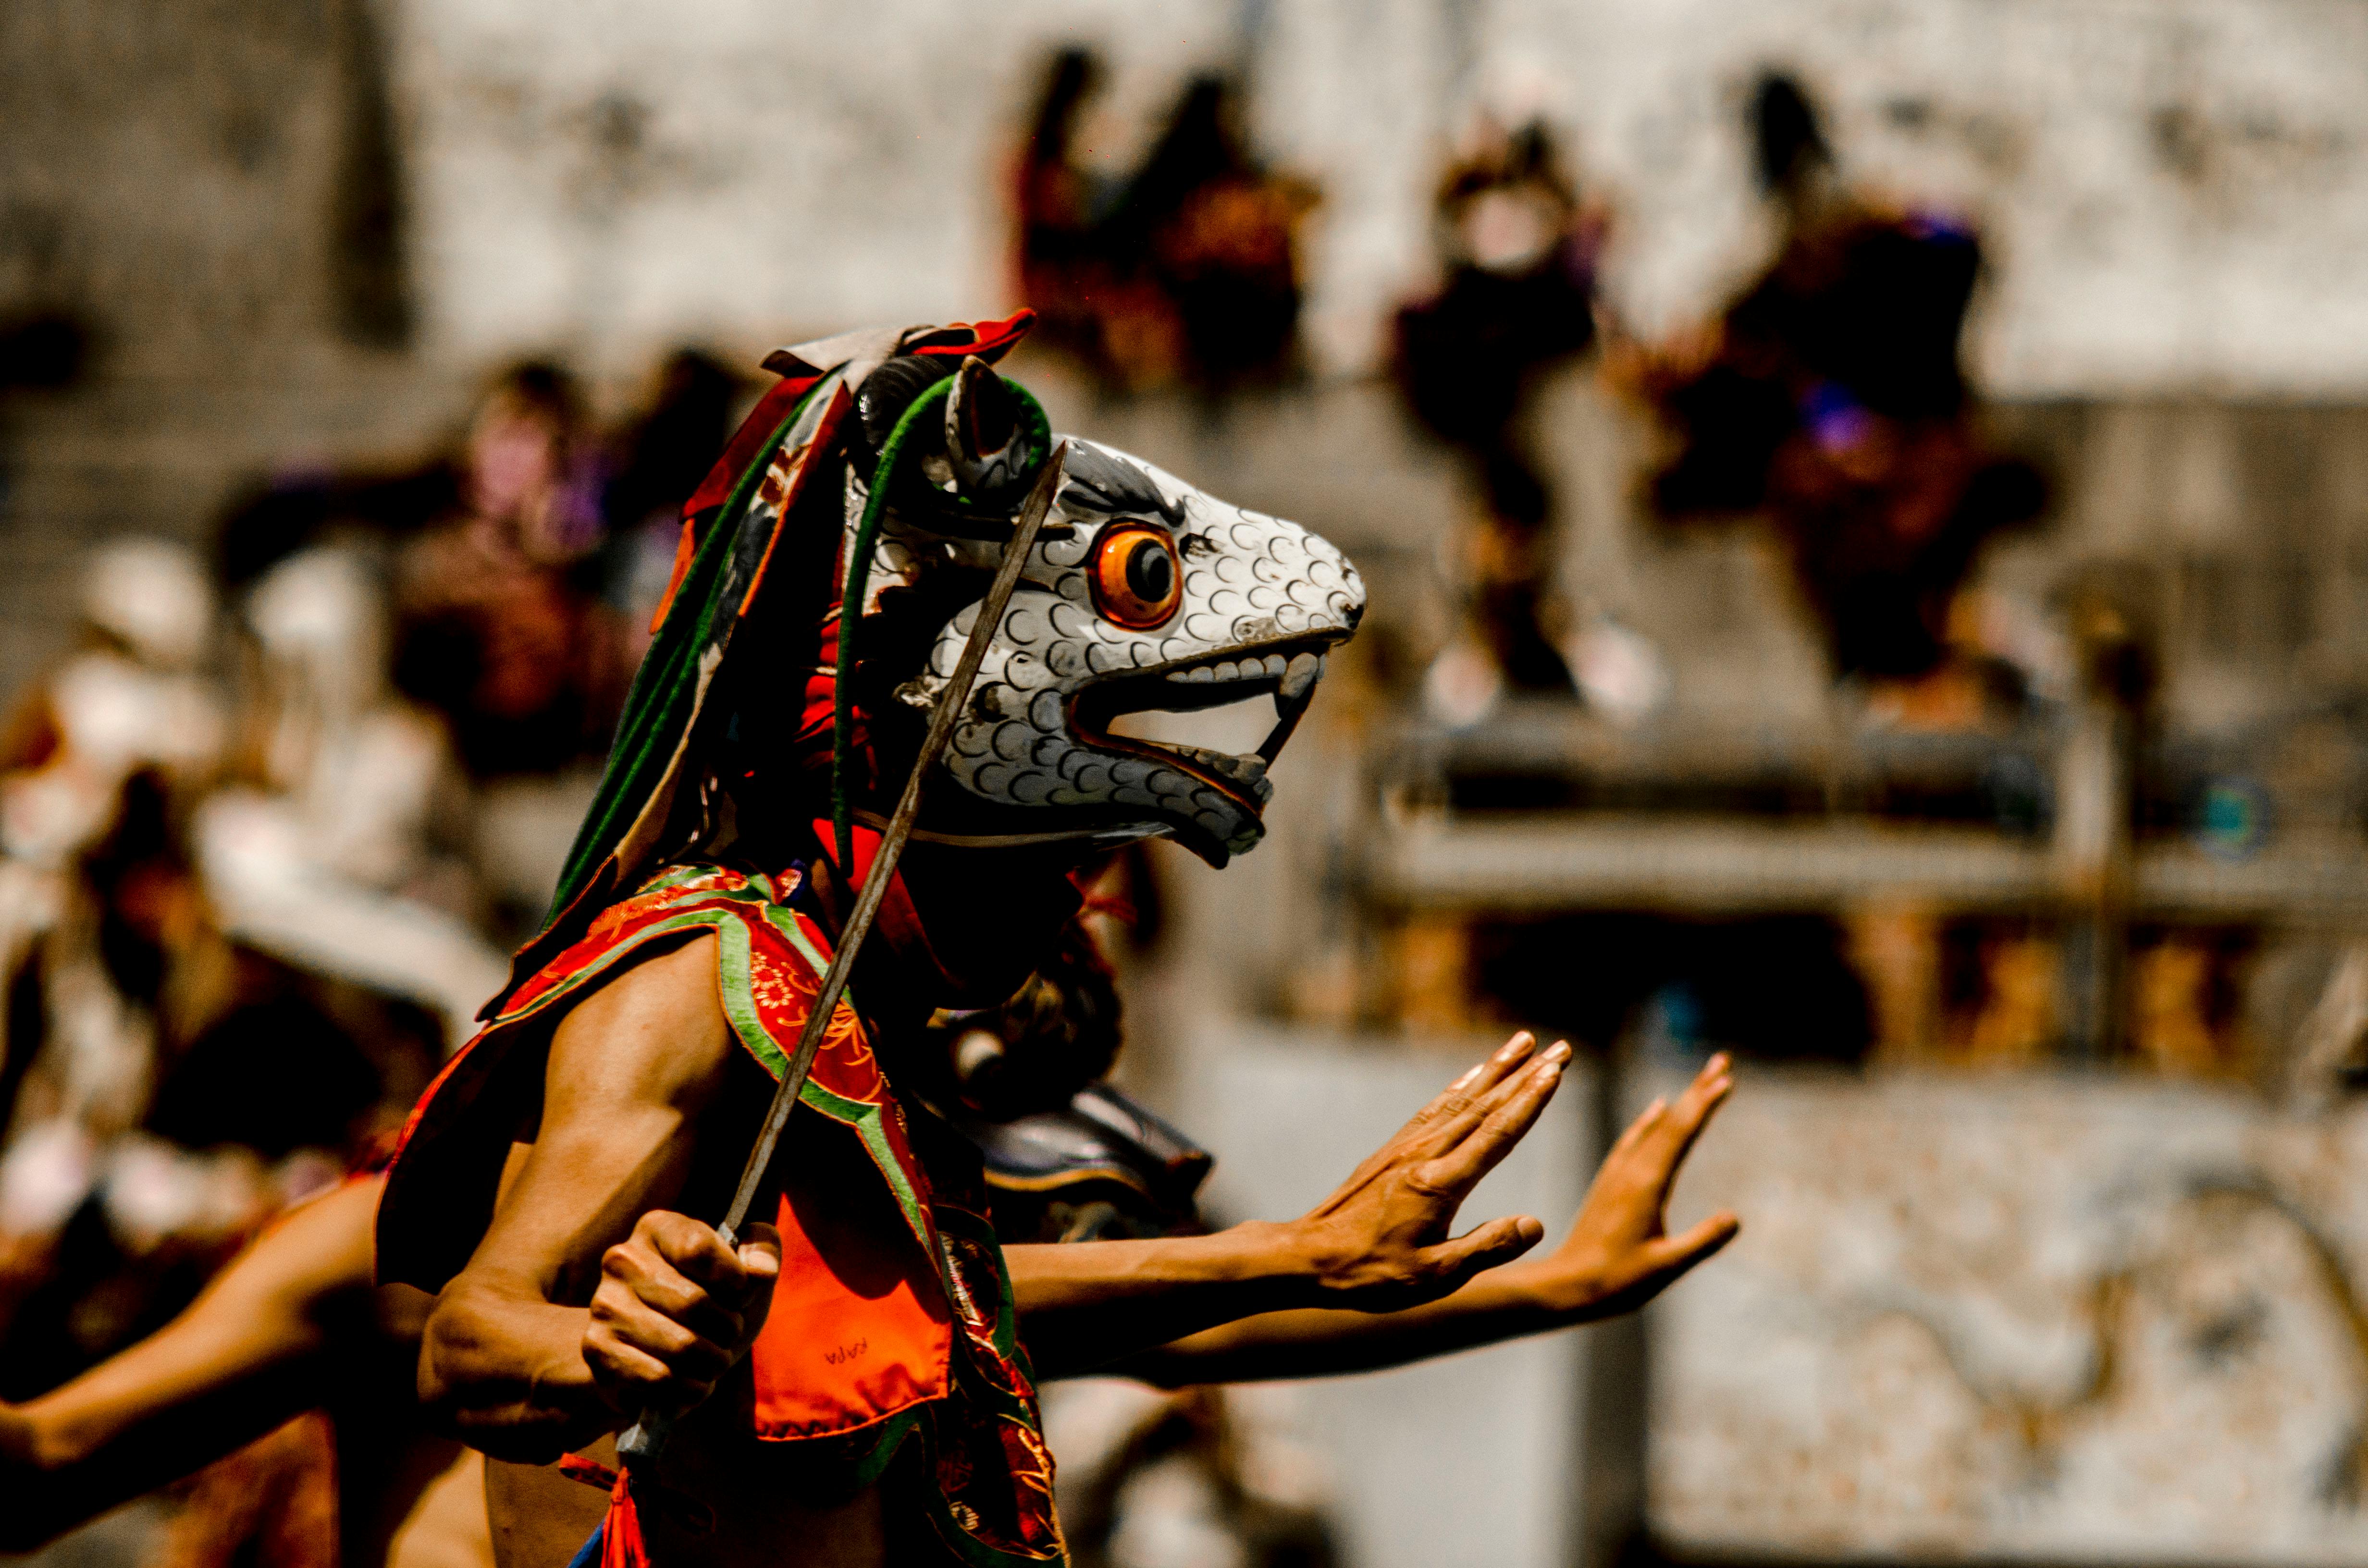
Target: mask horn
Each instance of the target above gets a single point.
(992, 443)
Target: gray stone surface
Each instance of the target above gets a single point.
(2051, 1319)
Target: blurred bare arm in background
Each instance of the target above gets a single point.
(251, 1352)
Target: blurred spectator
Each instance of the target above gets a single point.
(330, 856)
(660, 459)
(1830, 397)
(1062, 205)
(1185, 272)
(131, 698)
(1518, 256)
(526, 566)
(504, 630)
(1518, 253)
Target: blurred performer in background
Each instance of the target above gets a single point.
(237, 947)
(167, 1083)
(1831, 398)
(113, 967)
(285, 1394)
(1518, 299)
(1185, 272)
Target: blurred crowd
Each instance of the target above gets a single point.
(269, 831)
(1826, 397)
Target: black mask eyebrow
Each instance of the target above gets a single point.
(1094, 481)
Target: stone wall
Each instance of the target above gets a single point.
(2005, 1320)
(214, 194)
(2173, 193)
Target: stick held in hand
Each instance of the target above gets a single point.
(646, 1438)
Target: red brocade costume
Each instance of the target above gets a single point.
(877, 1336)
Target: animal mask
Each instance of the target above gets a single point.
(881, 476)
(1142, 593)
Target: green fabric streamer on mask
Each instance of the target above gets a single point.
(665, 688)
(1037, 429)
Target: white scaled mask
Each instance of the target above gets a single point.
(1142, 594)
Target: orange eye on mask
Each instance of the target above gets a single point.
(1137, 583)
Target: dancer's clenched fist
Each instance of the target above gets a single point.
(674, 1309)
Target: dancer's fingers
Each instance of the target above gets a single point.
(1482, 1248)
(760, 1252)
(1672, 1256)
(631, 1378)
(1683, 1125)
(638, 1293)
(1476, 1084)
(760, 1257)
(626, 1330)
(1509, 1118)
(1432, 1128)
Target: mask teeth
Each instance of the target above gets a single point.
(1299, 676)
(1247, 772)
(1272, 666)
(1290, 709)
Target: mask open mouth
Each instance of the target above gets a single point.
(1287, 671)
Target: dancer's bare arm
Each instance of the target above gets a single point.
(1619, 1255)
(248, 1354)
(1380, 1245)
(587, 1301)
(581, 1307)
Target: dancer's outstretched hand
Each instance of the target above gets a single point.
(674, 1310)
(1620, 1254)
(17, 1449)
(1383, 1240)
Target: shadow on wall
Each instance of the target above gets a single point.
(369, 272)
